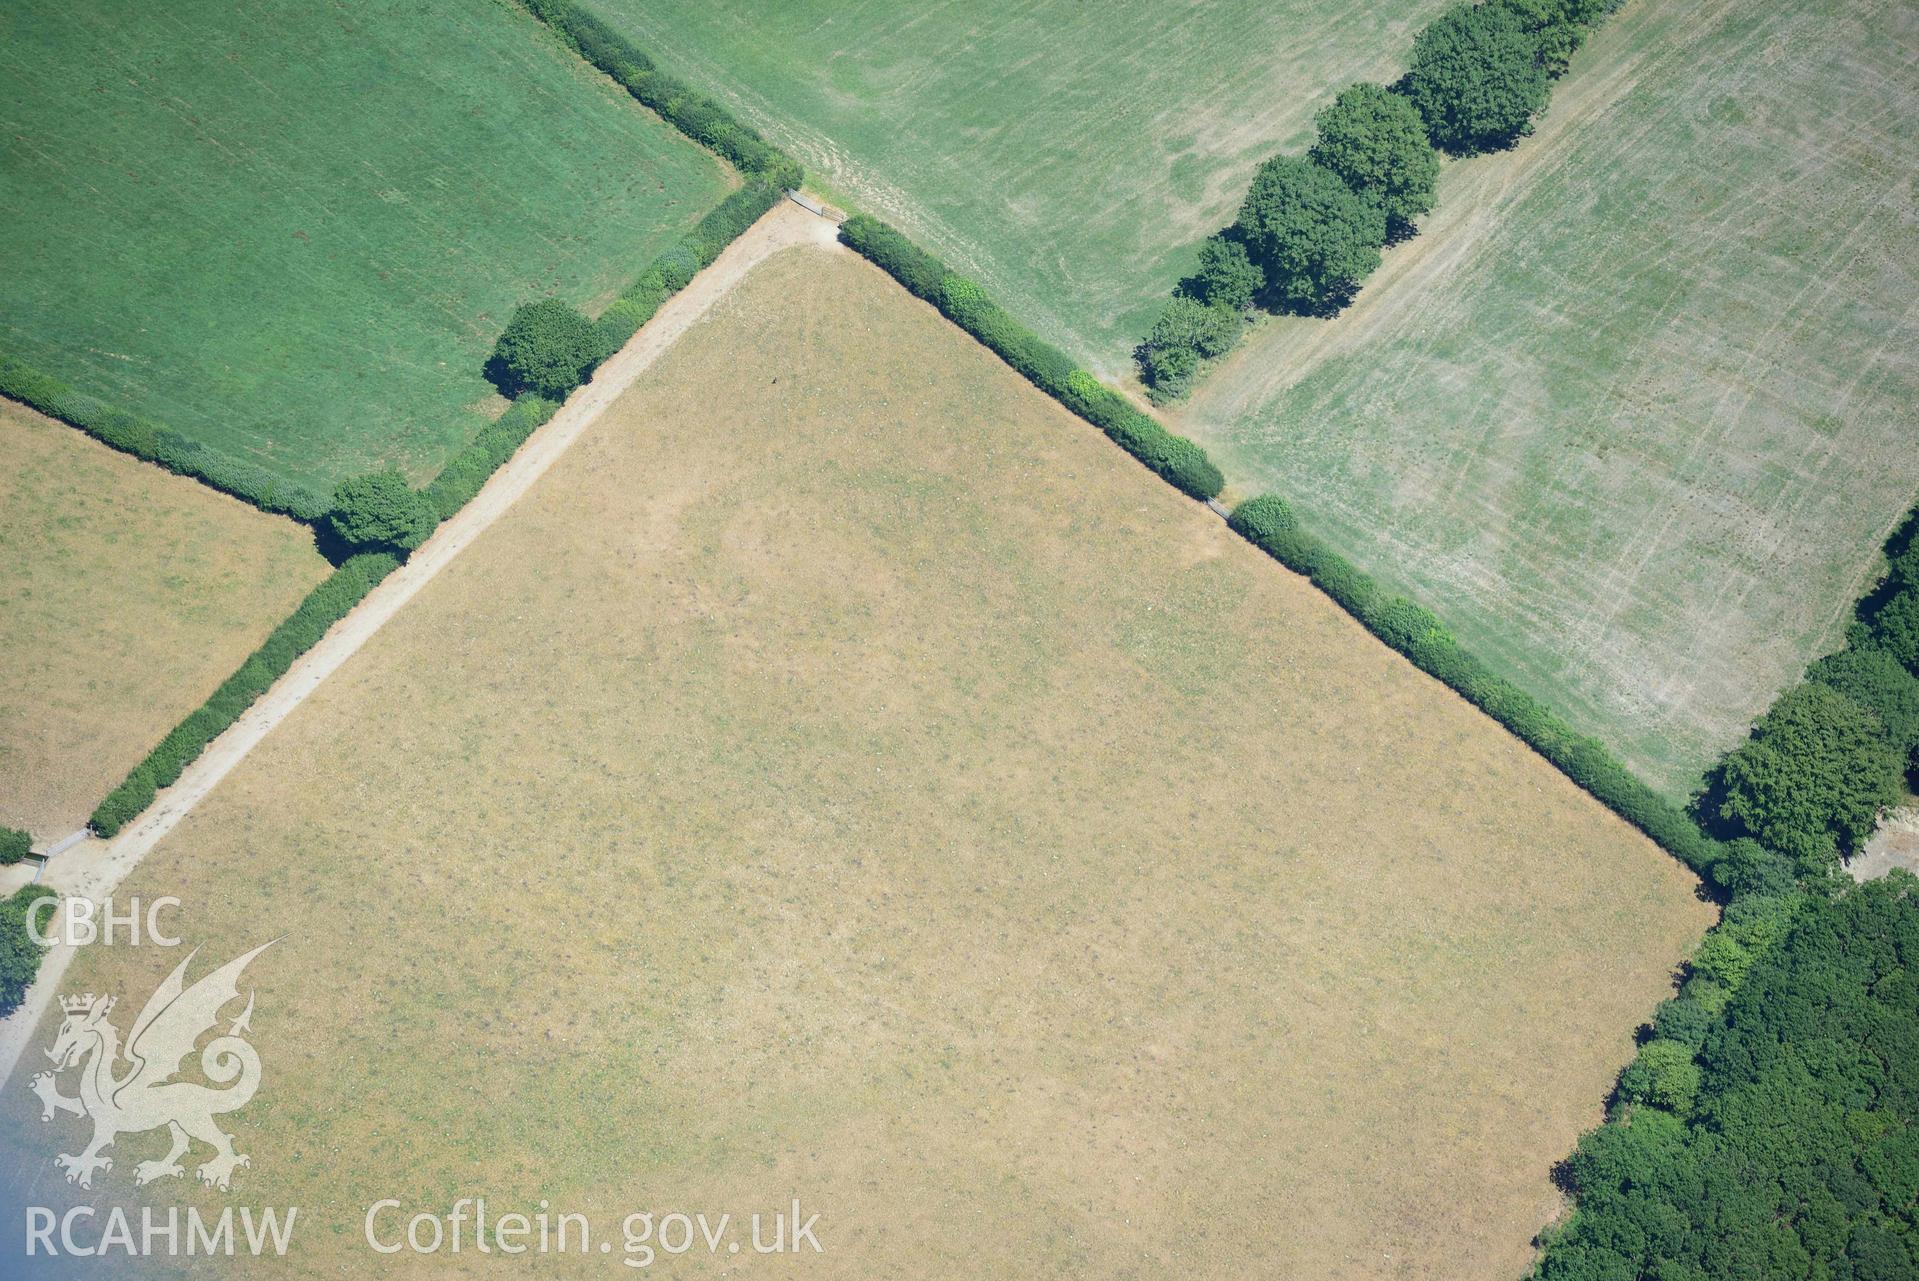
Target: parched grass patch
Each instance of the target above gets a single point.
(293, 231)
(1634, 412)
(126, 595)
(847, 776)
(1070, 156)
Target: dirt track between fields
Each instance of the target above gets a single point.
(92, 870)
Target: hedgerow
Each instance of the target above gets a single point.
(1174, 458)
(692, 113)
(20, 956)
(667, 274)
(1269, 524)
(148, 440)
(468, 470)
(324, 606)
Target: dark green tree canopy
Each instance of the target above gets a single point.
(1187, 332)
(1878, 682)
(14, 845)
(1312, 236)
(378, 511)
(1477, 78)
(19, 954)
(548, 348)
(1788, 1146)
(1375, 140)
(1188, 322)
(1557, 26)
(1895, 628)
(1811, 781)
(1226, 277)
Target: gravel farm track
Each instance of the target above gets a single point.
(94, 868)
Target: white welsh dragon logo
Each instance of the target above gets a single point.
(145, 1096)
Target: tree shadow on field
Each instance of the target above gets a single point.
(329, 544)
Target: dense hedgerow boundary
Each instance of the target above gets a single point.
(20, 955)
(1311, 228)
(377, 518)
(691, 112)
(1178, 460)
(1268, 524)
(154, 443)
(324, 606)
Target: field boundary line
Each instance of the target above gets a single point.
(95, 868)
(1268, 523)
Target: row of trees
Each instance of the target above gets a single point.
(1312, 227)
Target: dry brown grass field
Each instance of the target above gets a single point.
(847, 776)
(126, 595)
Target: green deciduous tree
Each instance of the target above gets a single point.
(1557, 26)
(1311, 235)
(1663, 1075)
(1878, 682)
(1812, 779)
(379, 511)
(1188, 322)
(548, 348)
(1187, 332)
(1477, 78)
(1376, 141)
(14, 845)
(1226, 277)
(1895, 628)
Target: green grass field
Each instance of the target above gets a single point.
(1069, 155)
(1635, 412)
(293, 231)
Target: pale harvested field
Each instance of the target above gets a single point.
(845, 775)
(126, 595)
(1635, 412)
